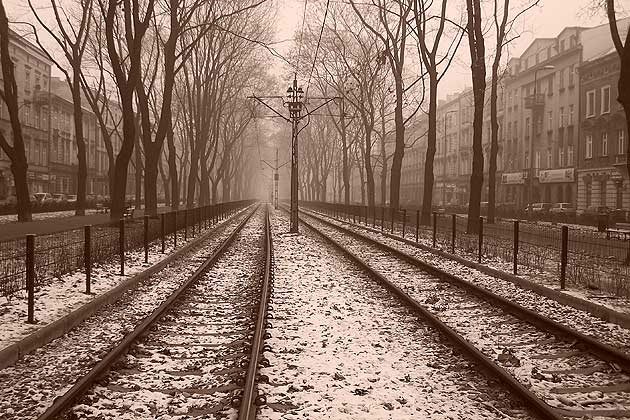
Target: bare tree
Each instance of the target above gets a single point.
(478, 67)
(71, 37)
(9, 95)
(433, 58)
(393, 32)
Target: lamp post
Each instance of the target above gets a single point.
(294, 96)
(530, 178)
(444, 174)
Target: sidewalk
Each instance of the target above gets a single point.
(14, 230)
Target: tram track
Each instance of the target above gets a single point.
(202, 341)
(559, 371)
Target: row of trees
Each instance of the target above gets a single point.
(166, 77)
(385, 59)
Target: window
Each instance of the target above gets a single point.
(549, 158)
(537, 162)
(539, 124)
(604, 144)
(515, 130)
(605, 99)
(589, 147)
(561, 122)
(621, 142)
(562, 45)
(571, 71)
(570, 156)
(571, 114)
(561, 157)
(27, 80)
(550, 120)
(550, 85)
(527, 127)
(526, 159)
(590, 103)
(561, 81)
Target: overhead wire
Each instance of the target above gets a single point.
(297, 63)
(319, 40)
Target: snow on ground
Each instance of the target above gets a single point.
(29, 386)
(187, 365)
(61, 296)
(531, 355)
(344, 348)
(607, 332)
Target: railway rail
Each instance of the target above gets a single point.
(200, 350)
(559, 371)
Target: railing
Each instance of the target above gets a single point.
(552, 253)
(60, 253)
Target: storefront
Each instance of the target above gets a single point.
(557, 185)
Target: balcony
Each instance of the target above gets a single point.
(535, 101)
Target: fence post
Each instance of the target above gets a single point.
(382, 218)
(453, 232)
(434, 228)
(175, 213)
(146, 238)
(393, 211)
(515, 247)
(87, 257)
(30, 277)
(186, 224)
(162, 231)
(563, 256)
(374, 218)
(404, 221)
(121, 245)
(417, 223)
(480, 238)
(354, 217)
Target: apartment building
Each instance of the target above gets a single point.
(602, 172)
(33, 75)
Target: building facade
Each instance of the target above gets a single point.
(32, 74)
(602, 173)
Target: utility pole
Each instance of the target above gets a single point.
(295, 95)
(275, 182)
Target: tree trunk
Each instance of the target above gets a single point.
(427, 195)
(165, 184)
(494, 142)
(172, 169)
(478, 67)
(16, 153)
(81, 147)
(399, 150)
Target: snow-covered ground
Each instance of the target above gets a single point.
(584, 322)
(60, 296)
(188, 364)
(344, 348)
(548, 365)
(30, 385)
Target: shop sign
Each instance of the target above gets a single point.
(548, 176)
(513, 178)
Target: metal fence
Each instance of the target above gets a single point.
(579, 256)
(65, 252)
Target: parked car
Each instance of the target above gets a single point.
(58, 198)
(563, 209)
(43, 197)
(539, 207)
(595, 210)
(72, 198)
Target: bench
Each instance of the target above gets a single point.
(128, 212)
(100, 208)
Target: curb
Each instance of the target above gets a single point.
(602, 312)
(11, 354)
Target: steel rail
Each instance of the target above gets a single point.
(83, 384)
(533, 402)
(247, 410)
(604, 351)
